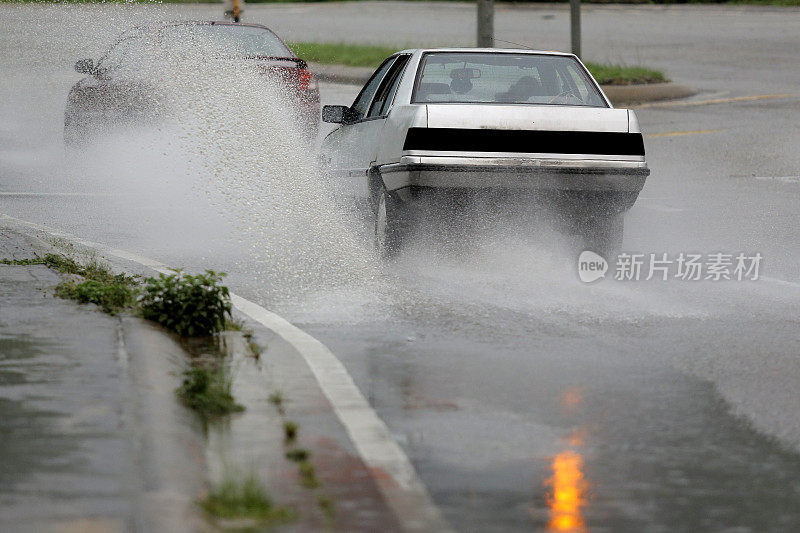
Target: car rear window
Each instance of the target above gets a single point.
(504, 78)
(242, 40)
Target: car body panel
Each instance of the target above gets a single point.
(108, 98)
(601, 147)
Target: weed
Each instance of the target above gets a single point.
(276, 398)
(62, 263)
(191, 305)
(111, 297)
(298, 455)
(308, 477)
(208, 391)
(233, 324)
(246, 499)
(328, 507)
(23, 262)
(255, 349)
(290, 430)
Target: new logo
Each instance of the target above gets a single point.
(591, 266)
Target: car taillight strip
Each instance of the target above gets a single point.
(305, 79)
(524, 141)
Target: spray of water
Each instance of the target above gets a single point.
(227, 179)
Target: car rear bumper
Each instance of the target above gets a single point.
(528, 173)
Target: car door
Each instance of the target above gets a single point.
(357, 142)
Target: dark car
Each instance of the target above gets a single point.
(127, 86)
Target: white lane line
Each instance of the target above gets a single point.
(392, 470)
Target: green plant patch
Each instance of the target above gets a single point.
(290, 430)
(233, 499)
(328, 507)
(23, 262)
(308, 476)
(190, 305)
(111, 297)
(354, 55)
(208, 391)
(298, 455)
(607, 74)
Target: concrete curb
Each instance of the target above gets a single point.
(371, 496)
(618, 94)
(651, 92)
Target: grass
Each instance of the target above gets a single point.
(308, 476)
(248, 499)
(298, 455)
(328, 507)
(290, 430)
(607, 74)
(353, 55)
(23, 262)
(232, 324)
(276, 398)
(112, 297)
(112, 292)
(207, 390)
(357, 55)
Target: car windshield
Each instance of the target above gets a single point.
(504, 78)
(175, 42)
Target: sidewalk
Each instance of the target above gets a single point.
(73, 440)
(94, 439)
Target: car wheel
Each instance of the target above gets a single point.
(389, 230)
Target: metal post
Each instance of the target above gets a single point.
(485, 23)
(575, 25)
(237, 10)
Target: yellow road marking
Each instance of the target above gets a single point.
(678, 133)
(718, 100)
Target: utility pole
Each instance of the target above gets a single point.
(575, 25)
(485, 23)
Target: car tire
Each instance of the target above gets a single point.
(389, 225)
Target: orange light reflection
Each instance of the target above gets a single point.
(568, 493)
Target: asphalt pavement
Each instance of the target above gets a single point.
(664, 405)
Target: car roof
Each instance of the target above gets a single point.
(488, 50)
(156, 25)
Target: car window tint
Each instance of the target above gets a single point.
(191, 42)
(385, 93)
(362, 101)
(235, 39)
(494, 77)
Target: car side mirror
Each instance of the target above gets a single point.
(338, 114)
(85, 66)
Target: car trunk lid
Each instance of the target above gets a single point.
(542, 132)
(527, 117)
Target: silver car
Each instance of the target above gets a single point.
(456, 126)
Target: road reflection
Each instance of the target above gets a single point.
(567, 487)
